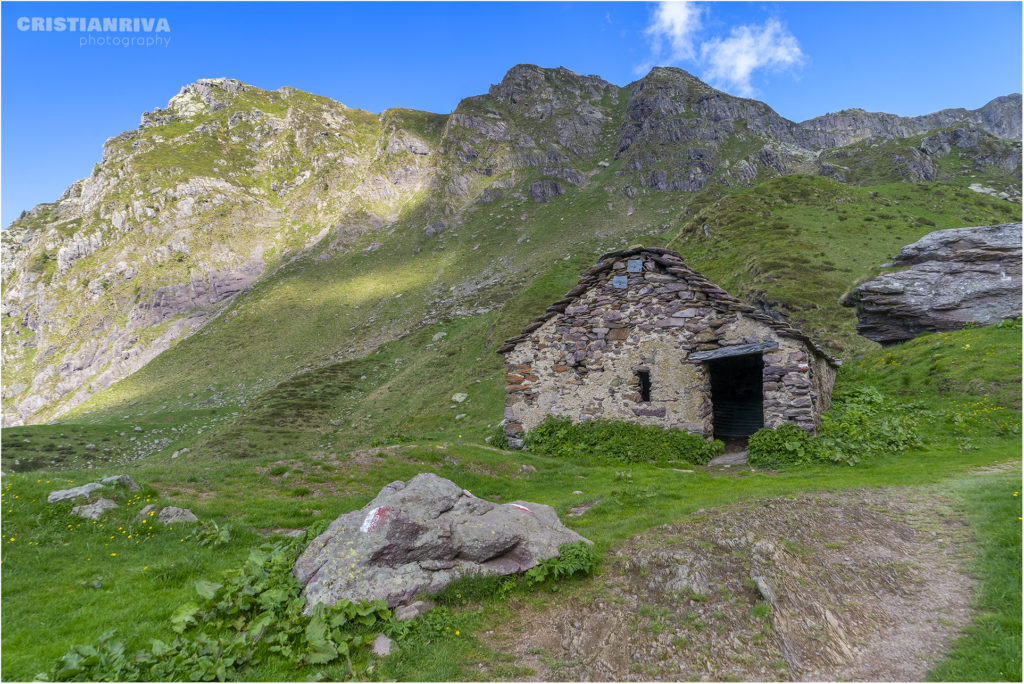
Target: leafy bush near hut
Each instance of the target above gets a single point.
(861, 422)
(604, 441)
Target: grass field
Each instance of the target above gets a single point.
(123, 574)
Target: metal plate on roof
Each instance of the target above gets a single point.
(619, 282)
(634, 266)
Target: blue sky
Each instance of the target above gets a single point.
(61, 99)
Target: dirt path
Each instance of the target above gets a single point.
(861, 585)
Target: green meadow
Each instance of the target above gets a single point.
(133, 576)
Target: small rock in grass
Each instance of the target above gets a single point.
(382, 646)
(577, 511)
(121, 481)
(82, 492)
(144, 513)
(460, 416)
(459, 397)
(94, 510)
(577, 492)
(414, 610)
(173, 514)
(293, 532)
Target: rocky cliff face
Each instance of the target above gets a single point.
(228, 184)
(183, 214)
(1001, 117)
(954, 277)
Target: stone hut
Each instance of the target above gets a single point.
(644, 338)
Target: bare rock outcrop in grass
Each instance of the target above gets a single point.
(420, 535)
(955, 277)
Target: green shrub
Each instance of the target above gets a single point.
(574, 558)
(618, 442)
(861, 422)
(498, 438)
(781, 446)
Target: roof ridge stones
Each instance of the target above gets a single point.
(674, 266)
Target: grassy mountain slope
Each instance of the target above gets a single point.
(797, 243)
(195, 205)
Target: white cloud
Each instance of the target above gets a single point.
(731, 61)
(675, 23)
(673, 36)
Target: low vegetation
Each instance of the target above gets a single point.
(861, 422)
(990, 648)
(610, 441)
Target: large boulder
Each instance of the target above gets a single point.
(418, 536)
(955, 277)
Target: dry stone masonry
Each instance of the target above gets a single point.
(644, 338)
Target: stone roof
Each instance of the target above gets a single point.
(672, 263)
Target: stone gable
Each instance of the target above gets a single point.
(644, 338)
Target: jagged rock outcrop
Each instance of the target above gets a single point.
(542, 191)
(1001, 117)
(964, 148)
(420, 535)
(678, 124)
(955, 277)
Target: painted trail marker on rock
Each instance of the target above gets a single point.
(419, 536)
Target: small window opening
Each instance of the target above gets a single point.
(645, 385)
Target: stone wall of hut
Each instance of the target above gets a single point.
(582, 362)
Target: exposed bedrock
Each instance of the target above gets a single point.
(955, 277)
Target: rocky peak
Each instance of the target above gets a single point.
(535, 91)
(1002, 116)
(205, 96)
(664, 91)
(676, 122)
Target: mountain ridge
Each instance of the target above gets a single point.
(230, 183)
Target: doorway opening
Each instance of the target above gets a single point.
(737, 396)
